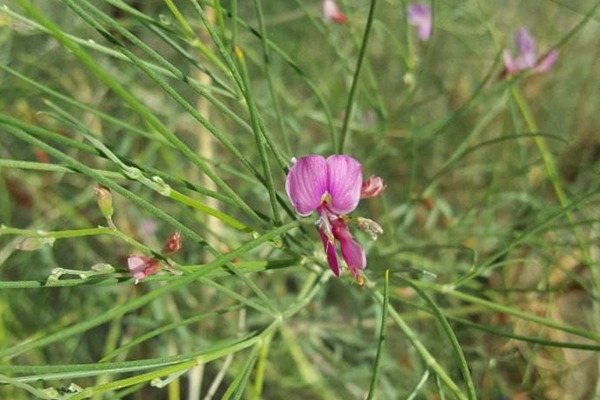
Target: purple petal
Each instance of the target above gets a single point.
(526, 57)
(353, 253)
(306, 183)
(419, 15)
(344, 183)
(547, 62)
(524, 41)
(525, 61)
(330, 251)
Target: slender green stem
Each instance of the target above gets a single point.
(429, 360)
(450, 291)
(269, 75)
(73, 233)
(462, 361)
(146, 114)
(361, 55)
(108, 315)
(175, 11)
(382, 334)
(258, 136)
(260, 368)
(556, 183)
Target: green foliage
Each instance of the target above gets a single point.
(188, 113)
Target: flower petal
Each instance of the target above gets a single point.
(142, 266)
(526, 48)
(524, 41)
(509, 62)
(372, 187)
(306, 183)
(419, 15)
(353, 253)
(331, 252)
(547, 62)
(332, 12)
(344, 183)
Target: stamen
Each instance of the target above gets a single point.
(360, 280)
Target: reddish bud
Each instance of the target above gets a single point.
(173, 243)
(142, 266)
(372, 187)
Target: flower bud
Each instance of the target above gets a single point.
(372, 187)
(142, 266)
(104, 199)
(371, 227)
(332, 12)
(173, 243)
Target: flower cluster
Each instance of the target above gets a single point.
(333, 187)
(141, 266)
(527, 58)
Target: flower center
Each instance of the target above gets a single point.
(325, 199)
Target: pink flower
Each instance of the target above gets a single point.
(142, 266)
(526, 58)
(372, 187)
(332, 187)
(419, 15)
(332, 12)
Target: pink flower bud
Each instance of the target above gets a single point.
(333, 12)
(372, 187)
(142, 266)
(173, 243)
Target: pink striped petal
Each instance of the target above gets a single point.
(331, 252)
(344, 183)
(306, 183)
(353, 253)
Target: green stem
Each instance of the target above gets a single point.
(429, 360)
(382, 333)
(361, 56)
(556, 184)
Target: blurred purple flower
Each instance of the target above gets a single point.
(332, 187)
(419, 15)
(527, 58)
(332, 12)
